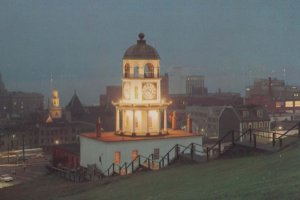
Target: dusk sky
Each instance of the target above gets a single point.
(82, 42)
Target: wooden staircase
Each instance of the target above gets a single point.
(248, 142)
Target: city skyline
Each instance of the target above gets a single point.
(230, 44)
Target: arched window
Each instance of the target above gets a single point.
(127, 71)
(136, 72)
(149, 71)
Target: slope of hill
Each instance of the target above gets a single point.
(274, 176)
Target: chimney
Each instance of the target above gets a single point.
(188, 123)
(174, 120)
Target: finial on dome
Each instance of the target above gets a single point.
(141, 36)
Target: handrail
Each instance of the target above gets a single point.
(190, 146)
(108, 169)
(287, 131)
(185, 147)
(243, 134)
(138, 157)
(132, 163)
(220, 140)
(122, 166)
(176, 145)
(197, 144)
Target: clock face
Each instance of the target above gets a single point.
(126, 90)
(149, 91)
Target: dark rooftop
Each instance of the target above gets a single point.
(141, 50)
(70, 148)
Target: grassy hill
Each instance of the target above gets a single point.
(274, 176)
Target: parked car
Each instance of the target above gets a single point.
(6, 178)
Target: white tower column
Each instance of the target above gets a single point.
(165, 119)
(117, 119)
(147, 118)
(133, 121)
(159, 120)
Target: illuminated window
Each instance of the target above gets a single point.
(278, 104)
(117, 157)
(289, 104)
(136, 72)
(255, 125)
(149, 70)
(297, 103)
(266, 124)
(127, 122)
(260, 113)
(245, 113)
(136, 120)
(134, 154)
(149, 121)
(250, 125)
(136, 92)
(127, 71)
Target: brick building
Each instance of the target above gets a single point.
(274, 95)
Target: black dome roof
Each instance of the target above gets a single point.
(141, 50)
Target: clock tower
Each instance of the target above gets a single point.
(141, 111)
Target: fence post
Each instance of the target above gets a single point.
(207, 154)
(113, 168)
(177, 151)
(132, 167)
(149, 163)
(152, 158)
(139, 160)
(280, 142)
(254, 140)
(273, 139)
(192, 150)
(232, 137)
(125, 168)
(168, 158)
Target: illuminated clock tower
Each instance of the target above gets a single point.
(141, 111)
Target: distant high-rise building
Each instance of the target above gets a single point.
(113, 93)
(2, 86)
(176, 77)
(165, 86)
(195, 85)
(18, 104)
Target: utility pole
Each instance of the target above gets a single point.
(8, 147)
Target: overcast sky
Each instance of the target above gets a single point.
(82, 42)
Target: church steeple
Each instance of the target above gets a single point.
(55, 109)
